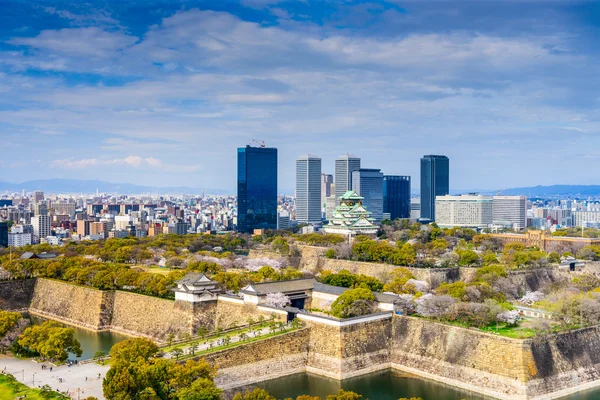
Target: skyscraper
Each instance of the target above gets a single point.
(257, 188)
(308, 189)
(435, 181)
(344, 166)
(368, 183)
(396, 196)
(326, 183)
(510, 211)
(3, 234)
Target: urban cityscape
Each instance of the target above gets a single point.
(299, 200)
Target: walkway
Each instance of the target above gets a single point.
(74, 378)
(206, 345)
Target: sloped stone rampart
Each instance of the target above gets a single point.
(66, 302)
(156, 318)
(262, 360)
(15, 295)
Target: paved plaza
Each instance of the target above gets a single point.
(73, 378)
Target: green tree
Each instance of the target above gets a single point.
(457, 289)
(256, 394)
(344, 395)
(7, 321)
(343, 306)
(177, 352)
(50, 340)
(202, 332)
(467, 258)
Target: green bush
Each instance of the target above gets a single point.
(343, 306)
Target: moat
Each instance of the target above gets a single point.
(389, 385)
(90, 341)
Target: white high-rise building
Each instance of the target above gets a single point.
(308, 189)
(41, 227)
(122, 222)
(468, 211)
(344, 166)
(510, 211)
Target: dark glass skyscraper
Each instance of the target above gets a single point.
(3, 234)
(435, 181)
(396, 196)
(257, 188)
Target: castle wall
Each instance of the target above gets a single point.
(140, 315)
(69, 303)
(16, 295)
(262, 360)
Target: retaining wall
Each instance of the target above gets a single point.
(66, 302)
(262, 360)
(16, 295)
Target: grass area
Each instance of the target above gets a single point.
(517, 332)
(514, 332)
(11, 390)
(154, 270)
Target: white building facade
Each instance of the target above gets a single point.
(467, 211)
(510, 211)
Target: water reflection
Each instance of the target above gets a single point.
(91, 341)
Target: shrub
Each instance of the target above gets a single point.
(330, 253)
(342, 307)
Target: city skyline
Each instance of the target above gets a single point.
(142, 92)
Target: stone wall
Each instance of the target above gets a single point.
(533, 279)
(262, 360)
(365, 347)
(565, 361)
(69, 303)
(485, 363)
(140, 315)
(16, 295)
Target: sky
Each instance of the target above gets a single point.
(163, 92)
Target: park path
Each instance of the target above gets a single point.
(74, 378)
(206, 345)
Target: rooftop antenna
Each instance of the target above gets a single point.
(258, 143)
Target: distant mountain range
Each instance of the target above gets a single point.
(90, 186)
(555, 190)
(542, 191)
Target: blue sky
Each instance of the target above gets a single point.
(162, 93)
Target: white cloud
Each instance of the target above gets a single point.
(78, 42)
(131, 161)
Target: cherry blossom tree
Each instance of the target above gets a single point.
(279, 300)
(531, 298)
(511, 317)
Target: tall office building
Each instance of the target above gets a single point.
(396, 196)
(326, 187)
(41, 227)
(435, 181)
(469, 211)
(510, 211)
(3, 234)
(40, 209)
(257, 188)
(38, 196)
(368, 183)
(344, 166)
(308, 189)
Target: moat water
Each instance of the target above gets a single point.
(90, 341)
(390, 385)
